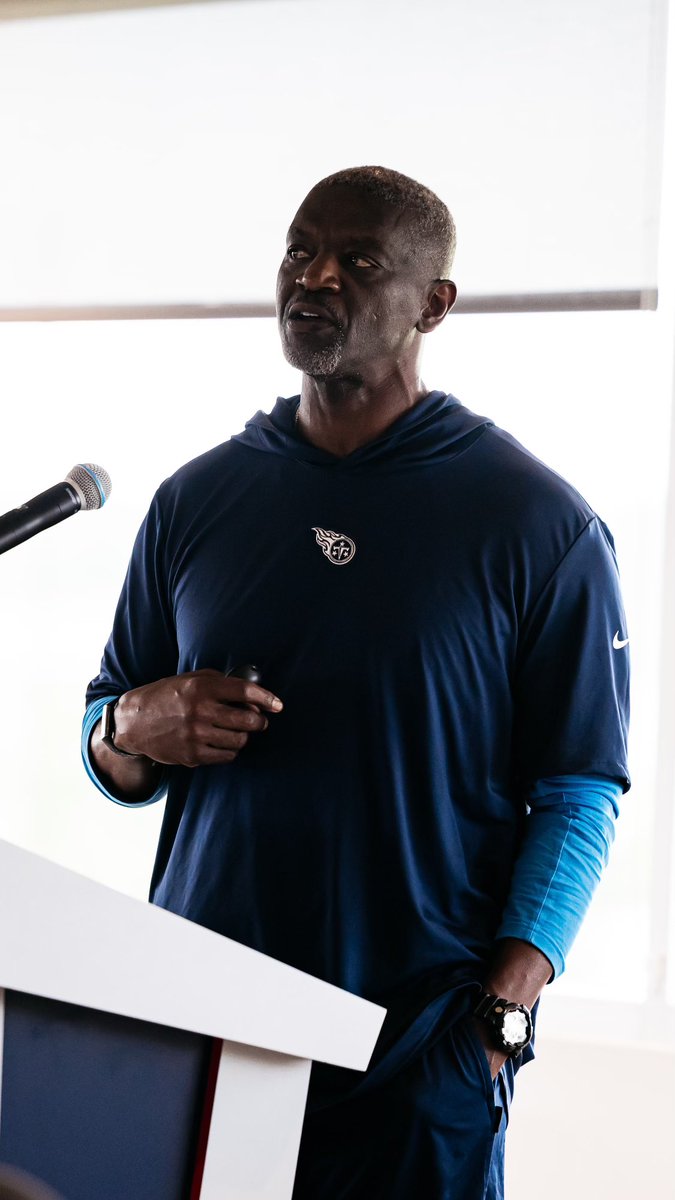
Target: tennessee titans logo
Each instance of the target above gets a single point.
(338, 548)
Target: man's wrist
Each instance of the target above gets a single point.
(508, 1024)
(110, 734)
(518, 971)
(126, 779)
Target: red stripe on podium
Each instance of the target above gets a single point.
(205, 1124)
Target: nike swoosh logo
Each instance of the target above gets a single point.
(617, 643)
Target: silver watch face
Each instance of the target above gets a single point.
(515, 1028)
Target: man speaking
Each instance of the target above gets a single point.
(416, 799)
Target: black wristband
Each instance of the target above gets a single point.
(108, 733)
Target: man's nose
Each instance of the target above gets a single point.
(320, 273)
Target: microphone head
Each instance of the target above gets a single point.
(91, 483)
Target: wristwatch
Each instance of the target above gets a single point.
(510, 1023)
(108, 731)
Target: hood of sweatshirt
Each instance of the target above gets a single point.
(433, 431)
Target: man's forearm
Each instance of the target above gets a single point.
(518, 971)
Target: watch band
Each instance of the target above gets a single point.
(108, 731)
(486, 1004)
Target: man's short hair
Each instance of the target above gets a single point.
(431, 221)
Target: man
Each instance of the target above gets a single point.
(417, 799)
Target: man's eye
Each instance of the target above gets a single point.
(296, 252)
(357, 260)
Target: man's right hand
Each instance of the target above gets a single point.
(196, 719)
(192, 720)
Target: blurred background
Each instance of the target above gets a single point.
(151, 158)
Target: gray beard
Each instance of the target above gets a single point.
(315, 361)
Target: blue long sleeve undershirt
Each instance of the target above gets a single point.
(568, 835)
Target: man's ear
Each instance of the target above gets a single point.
(441, 299)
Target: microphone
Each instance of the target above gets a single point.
(86, 486)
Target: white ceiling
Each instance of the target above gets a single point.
(158, 155)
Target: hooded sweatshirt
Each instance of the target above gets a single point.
(437, 611)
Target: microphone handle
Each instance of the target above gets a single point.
(50, 507)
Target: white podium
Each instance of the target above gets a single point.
(138, 1045)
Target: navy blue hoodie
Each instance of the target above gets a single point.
(436, 610)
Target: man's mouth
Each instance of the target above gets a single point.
(305, 317)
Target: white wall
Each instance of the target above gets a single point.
(593, 1122)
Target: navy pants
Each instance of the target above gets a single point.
(434, 1131)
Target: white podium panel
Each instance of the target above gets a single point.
(105, 992)
(256, 1125)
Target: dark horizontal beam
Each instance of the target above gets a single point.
(134, 312)
(606, 301)
(23, 10)
(517, 303)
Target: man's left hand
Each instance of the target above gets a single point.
(496, 1058)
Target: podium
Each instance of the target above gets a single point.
(143, 1056)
